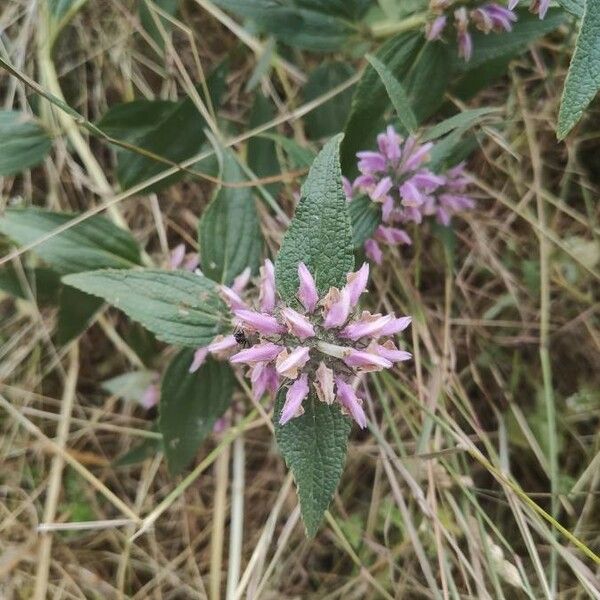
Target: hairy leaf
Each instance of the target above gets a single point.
(462, 120)
(371, 99)
(320, 234)
(24, 142)
(178, 307)
(190, 404)
(314, 448)
(229, 231)
(396, 93)
(575, 7)
(583, 78)
(95, 243)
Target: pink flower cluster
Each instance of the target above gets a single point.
(320, 343)
(487, 18)
(397, 178)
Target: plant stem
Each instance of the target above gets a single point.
(386, 28)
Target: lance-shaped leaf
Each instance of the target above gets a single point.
(229, 231)
(366, 216)
(178, 307)
(314, 448)
(583, 78)
(190, 404)
(75, 313)
(320, 234)
(23, 140)
(95, 243)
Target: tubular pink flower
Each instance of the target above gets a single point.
(348, 189)
(198, 360)
(351, 402)
(191, 262)
(150, 396)
(396, 325)
(381, 189)
(297, 324)
(289, 363)
(366, 361)
(356, 283)
(260, 322)
(264, 352)
(241, 281)
(433, 31)
(307, 290)
(324, 384)
(267, 287)
(264, 379)
(293, 399)
(371, 162)
(337, 307)
(373, 251)
(392, 235)
(411, 195)
(389, 351)
(222, 344)
(368, 326)
(177, 256)
(232, 299)
(418, 154)
(389, 145)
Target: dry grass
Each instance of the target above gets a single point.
(479, 475)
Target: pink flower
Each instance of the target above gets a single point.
(241, 281)
(337, 307)
(297, 324)
(267, 287)
(351, 402)
(177, 256)
(396, 325)
(368, 326)
(222, 344)
(357, 283)
(232, 299)
(150, 396)
(307, 292)
(366, 361)
(324, 384)
(371, 162)
(434, 29)
(264, 352)
(389, 351)
(373, 251)
(381, 189)
(198, 360)
(293, 399)
(289, 363)
(264, 379)
(392, 236)
(347, 187)
(260, 322)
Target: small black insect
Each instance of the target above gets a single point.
(240, 338)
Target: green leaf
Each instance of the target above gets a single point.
(575, 7)
(396, 93)
(75, 313)
(174, 131)
(583, 78)
(95, 243)
(329, 118)
(178, 307)
(24, 142)
(262, 154)
(525, 31)
(314, 448)
(309, 25)
(190, 404)
(463, 120)
(129, 386)
(371, 99)
(44, 283)
(365, 216)
(320, 233)
(299, 156)
(229, 230)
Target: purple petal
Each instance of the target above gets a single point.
(435, 28)
(177, 256)
(223, 344)
(371, 162)
(290, 364)
(307, 290)
(339, 308)
(357, 283)
(396, 325)
(267, 287)
(260, 353)
(297, 324)
(232, 299)
(293, 399)
(265, 324)
(368, 326)
(366, 360)
(150, 396)
(350, 401)
(199, 358)
(373, 251)
(241, 281)
(392, 235)
(382, 188)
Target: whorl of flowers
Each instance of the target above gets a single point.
(321, 343)
(489, 17)
(397, 178)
